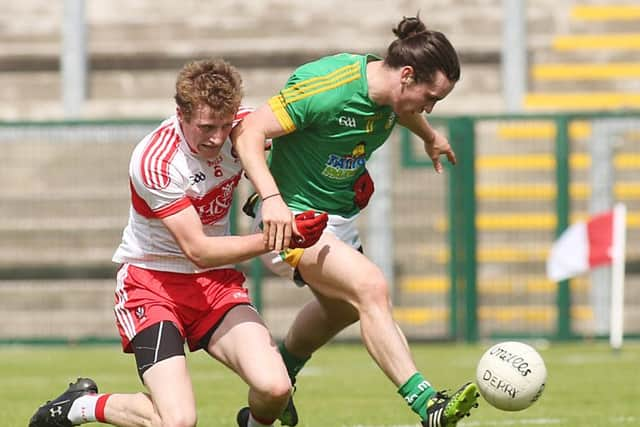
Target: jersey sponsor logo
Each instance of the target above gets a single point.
(198, 177)
(347, 121)
(217, 202)
(345, 167)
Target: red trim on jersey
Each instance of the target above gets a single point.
(100, 405)
(173, 208)
(241, 114)
(143, 208)
(157, 156)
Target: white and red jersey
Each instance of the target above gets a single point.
(165, 178)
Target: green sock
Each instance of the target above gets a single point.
(416, 391)
(293, 363)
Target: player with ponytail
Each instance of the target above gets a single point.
(332, 114)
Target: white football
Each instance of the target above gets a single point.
(511, 375)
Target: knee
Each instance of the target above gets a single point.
(181, 418)
(275, 389)
(373, 292)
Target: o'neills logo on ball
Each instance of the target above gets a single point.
(499, 384)
(515, 360)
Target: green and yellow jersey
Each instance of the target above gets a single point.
(334, 127)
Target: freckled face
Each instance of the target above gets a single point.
(422, 97)
(207, 130)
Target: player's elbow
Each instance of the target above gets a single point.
(200, 262)
(196, 258)
(198, 255)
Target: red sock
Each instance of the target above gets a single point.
(100, 404)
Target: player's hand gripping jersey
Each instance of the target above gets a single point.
(165, 178)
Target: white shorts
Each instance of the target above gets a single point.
(284, 263)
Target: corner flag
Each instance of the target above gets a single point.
(599, 241)
(586, 245)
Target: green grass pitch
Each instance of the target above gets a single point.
(588, 385)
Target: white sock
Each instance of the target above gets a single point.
(83, 410)
(253, 423)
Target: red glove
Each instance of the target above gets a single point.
(363, 187)
(310, 227)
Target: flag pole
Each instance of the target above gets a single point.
(618, 249)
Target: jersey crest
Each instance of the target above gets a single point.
(216, 204)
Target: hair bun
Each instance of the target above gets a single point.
(409, 26)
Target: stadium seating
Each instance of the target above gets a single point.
(67, 207)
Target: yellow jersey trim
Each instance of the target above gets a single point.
(310, 87)
(314, 85)
(277, 104)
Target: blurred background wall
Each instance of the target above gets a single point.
(65, 198)
(136, 47)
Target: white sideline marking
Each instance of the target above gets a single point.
(525, 421)
(623, 420)
(395, 425)
(631, 420)
(529, 421)
(581, 359)
(311, 371)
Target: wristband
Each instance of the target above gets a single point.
(270, 196)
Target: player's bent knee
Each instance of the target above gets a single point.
(274, 389)
(373, 290)
(180, 418)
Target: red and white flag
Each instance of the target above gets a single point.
(585, 245)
